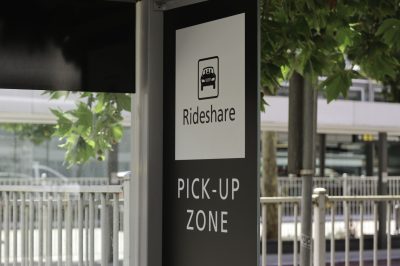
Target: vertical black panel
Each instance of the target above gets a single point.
(240, 246)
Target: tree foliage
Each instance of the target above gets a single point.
(92, 127)
(36, 133)
(339, 40)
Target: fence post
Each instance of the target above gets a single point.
(319, 226)
(345, 183)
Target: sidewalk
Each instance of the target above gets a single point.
(287, 259)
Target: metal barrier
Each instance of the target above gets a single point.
(336, 186)
(339, 186)
(360, 201)
(68, 224)
(55, 181)
(326, 225)
(280, 202)
(44, 224)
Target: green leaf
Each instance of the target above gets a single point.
(55, 95)
(388, 25)
(338, 84)
(389, 30)
(302, 59)
(84, 115)
(124, 101)
(117, 132)
(100, 103)
(64, 124)
(380, 65)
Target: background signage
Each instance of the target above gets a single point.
(210, 208)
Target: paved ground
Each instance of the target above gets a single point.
(287, 259)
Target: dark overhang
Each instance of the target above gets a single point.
(67, 45)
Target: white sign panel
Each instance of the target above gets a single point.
(210, 90)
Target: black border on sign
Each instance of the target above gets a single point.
(185, 17)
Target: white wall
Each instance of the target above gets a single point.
(341, 116)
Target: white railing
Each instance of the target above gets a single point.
(393, 185)
(280, 203)
(57, 224)
(327, 226)
(335, 186)
(69, 224)
(357, 229)
(55, 181)
(339, 186)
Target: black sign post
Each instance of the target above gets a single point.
(211, 139)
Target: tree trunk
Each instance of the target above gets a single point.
(269, 180)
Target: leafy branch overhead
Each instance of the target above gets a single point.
(89, 130)
(339, 40)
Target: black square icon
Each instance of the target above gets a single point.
(208, 78)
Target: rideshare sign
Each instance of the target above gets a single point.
(211, 123)
(210, 90)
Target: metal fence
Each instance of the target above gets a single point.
(55, 181)
(339, 186)
(280, 203)
(356, 229)
(336, 186)
(326, 225)
(42, 225)
(69, 224)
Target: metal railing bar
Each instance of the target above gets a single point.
(1, 224)
(375, 255)
(64, 189)
(23, 239)
(347, 235)
(295, 248)
(361, 234)
(389, 238)
(104, 233)
(68, 220)
(40, 221)
(333, 210)
(31, 228)
(115, 229)
(49, 240)
(80, 226)
(275, 200)
(91, 229)
(87, 235)
(15, 236)
(264, 235)
(362, 198)
(75, 233)
(6, 228)
(279, 234)
(59, 230)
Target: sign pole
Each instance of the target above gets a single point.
(143, 191)
(308, 171)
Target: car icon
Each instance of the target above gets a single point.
(208, 77)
